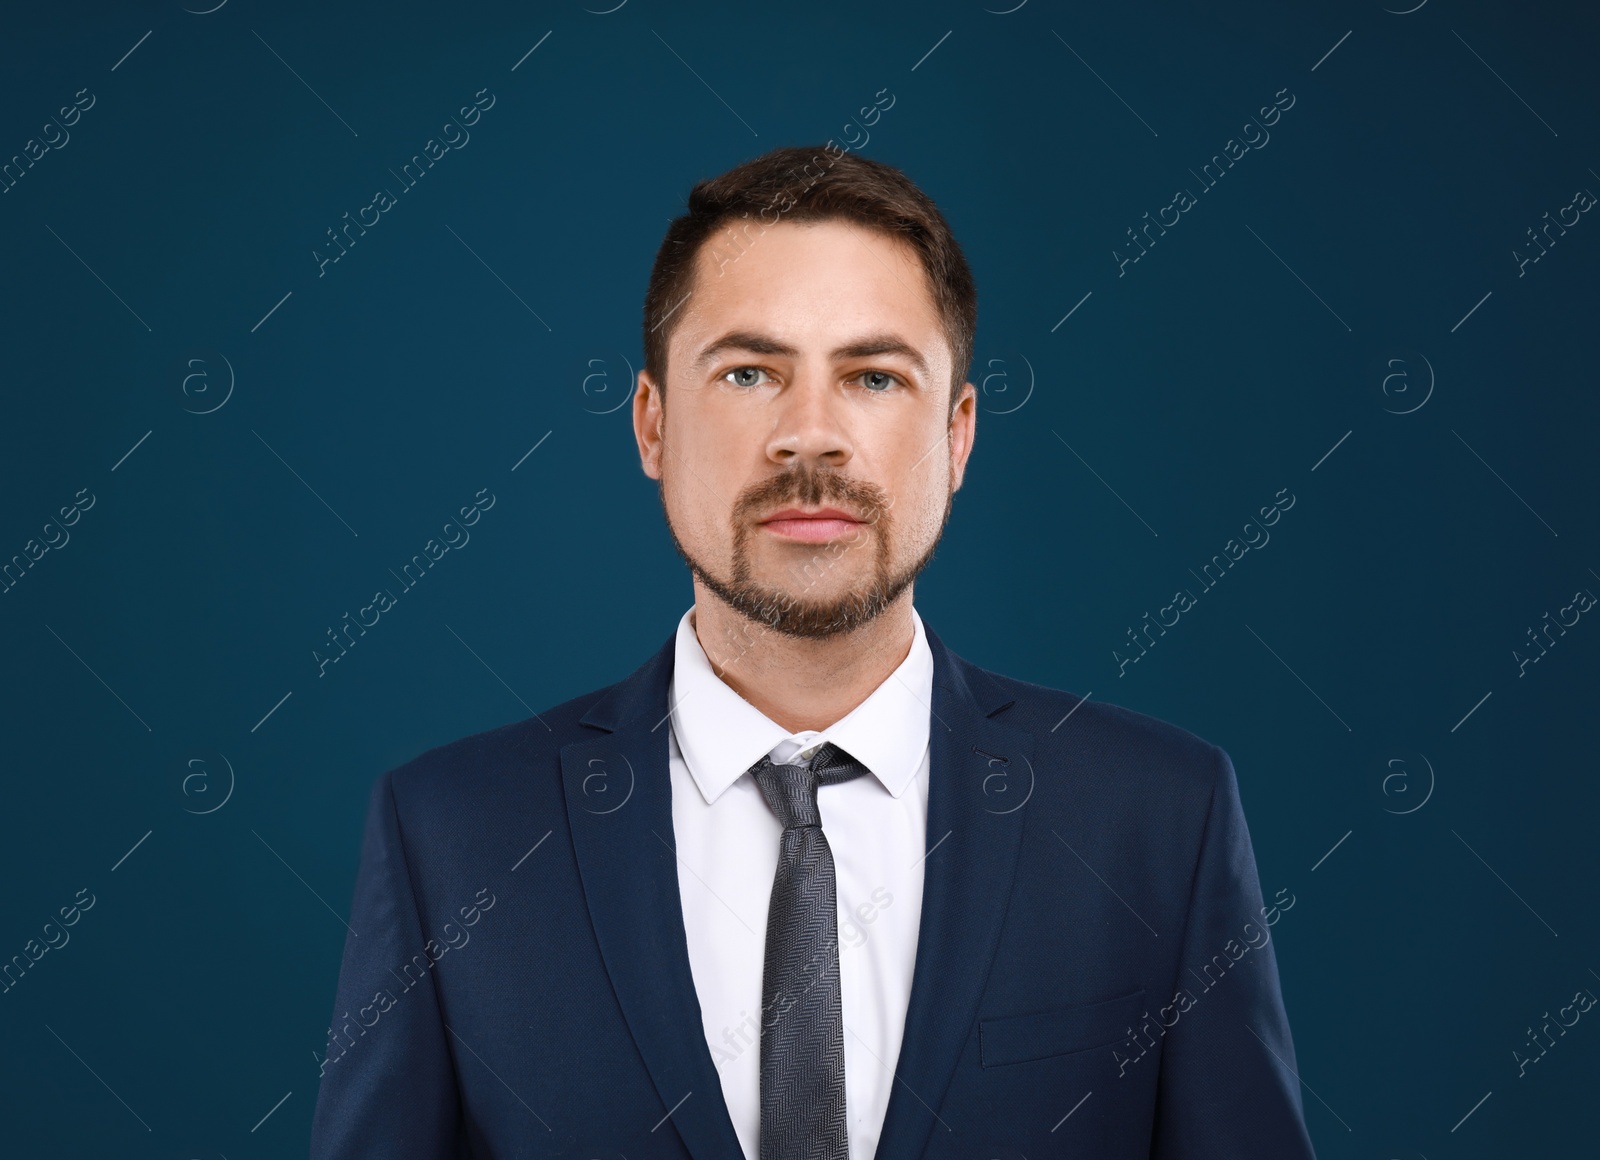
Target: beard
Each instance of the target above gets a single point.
(794, 613)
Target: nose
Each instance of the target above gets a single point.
(809, 423)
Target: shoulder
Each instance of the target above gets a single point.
(485, 772)
(1126, 788)
(1137, 748)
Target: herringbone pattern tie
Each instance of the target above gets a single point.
(802, 1020)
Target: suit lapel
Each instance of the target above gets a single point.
(980, 776)
(619, 805)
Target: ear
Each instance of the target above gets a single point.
(649, 417)
(963, 429)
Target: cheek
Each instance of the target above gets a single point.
(716, 452)
(678, 492)
(714, 440)
(930, 514)
(921, 494)
(698, 496)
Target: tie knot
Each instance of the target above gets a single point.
(791, 790)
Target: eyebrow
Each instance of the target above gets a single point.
(865, 347)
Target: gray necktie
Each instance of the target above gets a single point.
(802, 1021)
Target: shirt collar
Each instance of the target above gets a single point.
(721, 735)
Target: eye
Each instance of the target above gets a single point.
(877, 382)
(744, 376)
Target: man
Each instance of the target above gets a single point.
(808, 884)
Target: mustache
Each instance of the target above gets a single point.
(813, 488)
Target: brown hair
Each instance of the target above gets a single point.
(810, 184)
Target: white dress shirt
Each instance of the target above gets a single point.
(727, 848)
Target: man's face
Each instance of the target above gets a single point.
(811, 376)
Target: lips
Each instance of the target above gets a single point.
(827, 513)
(813, 527)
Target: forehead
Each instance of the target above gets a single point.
(813, 280)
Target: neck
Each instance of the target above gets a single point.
(801, 683)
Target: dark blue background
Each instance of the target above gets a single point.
(496, 308)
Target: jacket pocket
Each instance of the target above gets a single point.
(1058, 1031)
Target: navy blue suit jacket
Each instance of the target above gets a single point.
(1094, 973)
